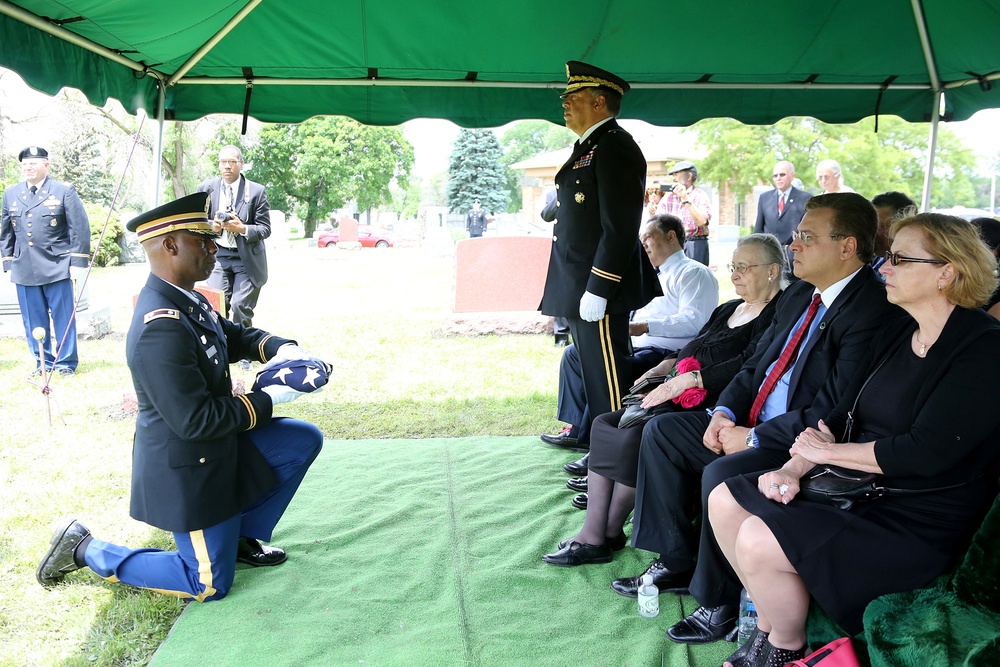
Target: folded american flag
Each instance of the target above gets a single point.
(303, 375)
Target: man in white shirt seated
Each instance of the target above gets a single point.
(660, 328)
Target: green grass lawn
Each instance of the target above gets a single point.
(376, 315)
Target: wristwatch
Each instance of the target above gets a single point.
(750, 443)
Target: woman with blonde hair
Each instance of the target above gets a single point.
(923, 418)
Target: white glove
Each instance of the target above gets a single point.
(592, 307)
(287, 352)
(77, 274)
(280, 393)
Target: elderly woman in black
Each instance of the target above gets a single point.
(925, 420)
(714, 357)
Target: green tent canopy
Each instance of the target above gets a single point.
(484, 64)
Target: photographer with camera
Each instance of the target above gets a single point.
(240, 212)
(692, 205)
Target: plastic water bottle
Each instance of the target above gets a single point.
(748, 618)
(649, 597)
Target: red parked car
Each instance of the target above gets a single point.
(370, 237)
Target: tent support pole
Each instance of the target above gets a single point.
(925, 199)
(210, 44)
(161, 103)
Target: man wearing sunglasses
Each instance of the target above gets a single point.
(780, 210)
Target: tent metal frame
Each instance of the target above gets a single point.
(936, 87)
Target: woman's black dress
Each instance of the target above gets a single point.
(848, 558)
(721, 351)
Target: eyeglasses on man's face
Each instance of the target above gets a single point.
(808, 237)
(781, 175)
(895, 259)
(741, 268)
(228, 163)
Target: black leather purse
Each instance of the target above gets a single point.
(840, 487)
(843, 487)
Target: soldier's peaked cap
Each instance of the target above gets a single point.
(581, 75)
(33, 151)
(187, 214)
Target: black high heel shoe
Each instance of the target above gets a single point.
(745, 655)
(772, 656)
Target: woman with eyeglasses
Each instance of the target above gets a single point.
(714, 356)
(923, 417)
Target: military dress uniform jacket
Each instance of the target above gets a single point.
(191, 467)
(41, 235)
(254, 210)
(595, 236)
(475, 221)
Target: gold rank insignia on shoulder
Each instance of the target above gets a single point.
(161, 313)
(579, 197)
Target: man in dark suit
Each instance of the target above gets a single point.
(598, 272)
(475, 221)
(241, 264)
(780, 210)
(560, 327)
(802, 365)
(44, 240)
(213, 468)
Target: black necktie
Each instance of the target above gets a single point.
(33, 190)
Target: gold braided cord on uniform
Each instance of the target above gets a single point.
(260, 348)
(604, 274)
(592, 81)
(607, 351)
(250, 409)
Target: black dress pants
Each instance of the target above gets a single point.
(715, 583)
(603, 348)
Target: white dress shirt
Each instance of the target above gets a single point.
(690, 294)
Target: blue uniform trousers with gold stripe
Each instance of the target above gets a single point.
(36, 302)
(604, 348)
(204, 564)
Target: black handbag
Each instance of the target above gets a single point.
(840, 487)
(843, 487)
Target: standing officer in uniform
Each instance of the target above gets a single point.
(241, 264)
(44, 235)
(598, 272)
(213, 468)
(475, 220)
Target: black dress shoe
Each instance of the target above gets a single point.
(579, 467)
(663, 578)
(616, 543)
(751, 651)
(566, 438)
(252, 552)
(577, 484)
(574, 554)
(580, 501)
(60, 558)
(705, 625)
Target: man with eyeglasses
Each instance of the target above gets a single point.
(803, 363)
(780, 210)
(242, 215)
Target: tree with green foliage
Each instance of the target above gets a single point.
(81, 159)
(108, 250)
(526, 139)
(320, 164)
(476, 171)
(892, 159)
